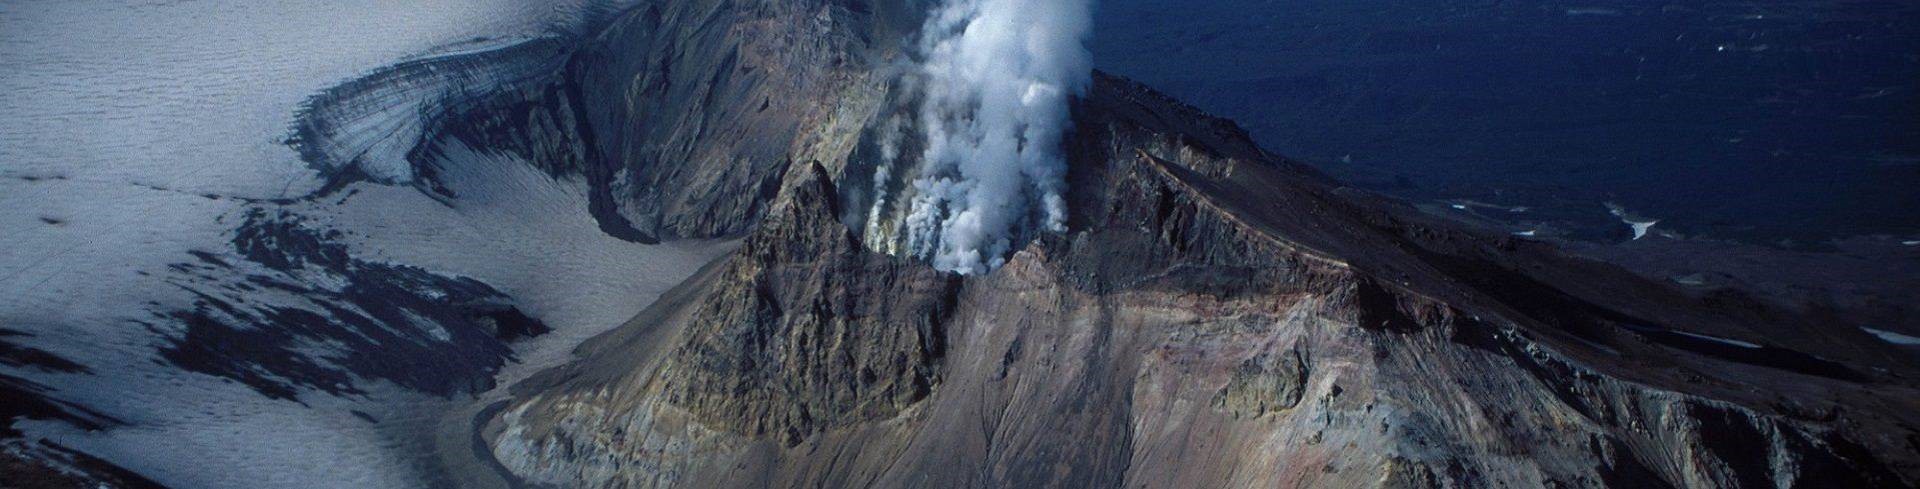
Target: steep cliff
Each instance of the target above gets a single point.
(696, 109)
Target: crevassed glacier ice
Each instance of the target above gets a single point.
(138, 133)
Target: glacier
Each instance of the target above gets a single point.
(148, 143)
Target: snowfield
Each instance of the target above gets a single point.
(139, 133)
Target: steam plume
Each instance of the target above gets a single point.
(997, 78)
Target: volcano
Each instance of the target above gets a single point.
(1175, 307)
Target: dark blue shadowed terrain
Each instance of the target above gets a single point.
(1764, 121)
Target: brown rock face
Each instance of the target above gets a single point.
(1267, 383)
(806, 332)
(1215, 317)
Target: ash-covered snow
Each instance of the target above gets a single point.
(138, 136)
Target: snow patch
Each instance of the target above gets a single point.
(1641, 225)
(1892, 337)
(1693, 280)
(1716, 339)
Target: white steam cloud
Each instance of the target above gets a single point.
(997, 79)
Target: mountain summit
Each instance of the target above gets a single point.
(1205, 314)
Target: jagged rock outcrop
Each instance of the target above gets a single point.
(1216, 317)
(1267, 383)
(698, 108)
(805, 332)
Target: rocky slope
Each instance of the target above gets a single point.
(1215, 317)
